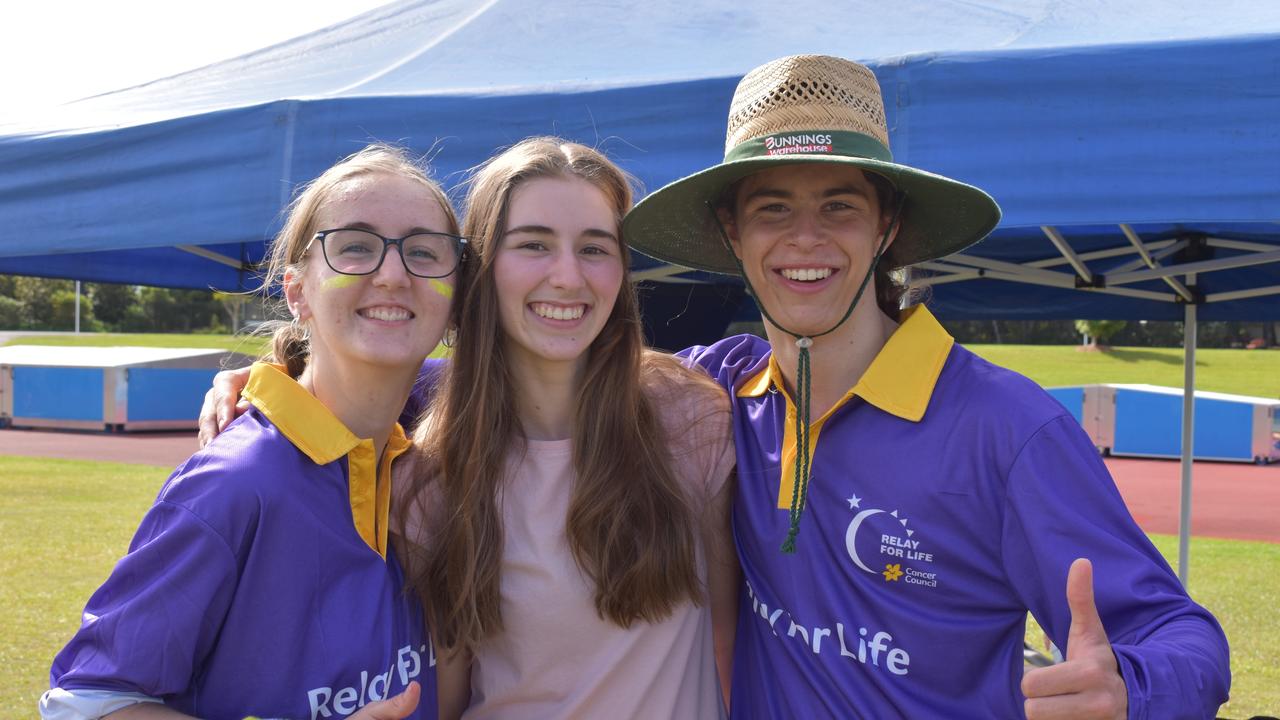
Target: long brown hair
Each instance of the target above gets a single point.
(289, 345)
(630, 525)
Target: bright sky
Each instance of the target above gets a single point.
(55, 51)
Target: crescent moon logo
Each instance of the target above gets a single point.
(851, 535)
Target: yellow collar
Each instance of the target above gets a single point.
(318, 433)
(899, 381)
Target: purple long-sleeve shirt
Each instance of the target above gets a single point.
(948, 497)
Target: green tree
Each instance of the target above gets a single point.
(63, 311)
(234, 304)
(169, 310)
(111, 303)
(1099, 331)
(12, 313)
(36, 296)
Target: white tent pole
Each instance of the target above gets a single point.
(77, 307)
(1188, 425)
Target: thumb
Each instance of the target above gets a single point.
(400, 706)
(1086, 631)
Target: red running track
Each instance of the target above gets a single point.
(1228, 500)
(166, 449)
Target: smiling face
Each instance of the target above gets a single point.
(557, 271)
(806, 235)
(388, 319)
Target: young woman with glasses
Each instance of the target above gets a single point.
(264, 579)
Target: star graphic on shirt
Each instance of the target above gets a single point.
(854, 501)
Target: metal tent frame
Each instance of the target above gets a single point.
(1112, 271)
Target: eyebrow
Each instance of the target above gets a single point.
(531, 229)
(544, 230)
(780, 194)
(366, 226)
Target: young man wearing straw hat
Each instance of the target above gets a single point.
(902, 503)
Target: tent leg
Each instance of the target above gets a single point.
(1188, 423)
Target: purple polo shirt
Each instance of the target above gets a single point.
(948, 497)
(261, 582)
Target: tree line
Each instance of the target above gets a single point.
(1118, 333)
(29, 303)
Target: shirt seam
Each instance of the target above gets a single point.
(231, 554)
(1006, 473)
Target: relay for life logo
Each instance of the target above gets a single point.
(882, 542)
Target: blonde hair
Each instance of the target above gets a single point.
(289, 340)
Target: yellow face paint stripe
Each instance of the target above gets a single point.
(338, 282)
(444, 288)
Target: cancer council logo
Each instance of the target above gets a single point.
(896, 549)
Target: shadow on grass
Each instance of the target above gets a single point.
(1135, 355)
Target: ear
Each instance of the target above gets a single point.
(295, 296)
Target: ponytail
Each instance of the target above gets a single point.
(290, 347)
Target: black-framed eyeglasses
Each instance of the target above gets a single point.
(352, 251)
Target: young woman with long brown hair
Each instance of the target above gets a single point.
(570, 500)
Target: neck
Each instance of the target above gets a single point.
(366, 399)
(837, 359)
(546, 398)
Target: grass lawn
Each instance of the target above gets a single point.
(1244, 372)
(252, 345)
(66, 522)
(248, 344)
(64, 525)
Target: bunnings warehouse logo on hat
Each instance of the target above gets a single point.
(793, 144)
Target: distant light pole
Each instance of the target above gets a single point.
(77, 307)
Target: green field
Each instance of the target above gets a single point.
(248, 344)
(65, 523)
(1244, 372)
(252, 345)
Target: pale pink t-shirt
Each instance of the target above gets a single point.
(556, 657)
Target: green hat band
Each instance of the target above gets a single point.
(811, 142)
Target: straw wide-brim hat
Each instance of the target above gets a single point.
(798, 110)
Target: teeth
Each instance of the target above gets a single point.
(806, 274)
(556, 312)
(386, 314)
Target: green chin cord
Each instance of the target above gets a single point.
(804, 377)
